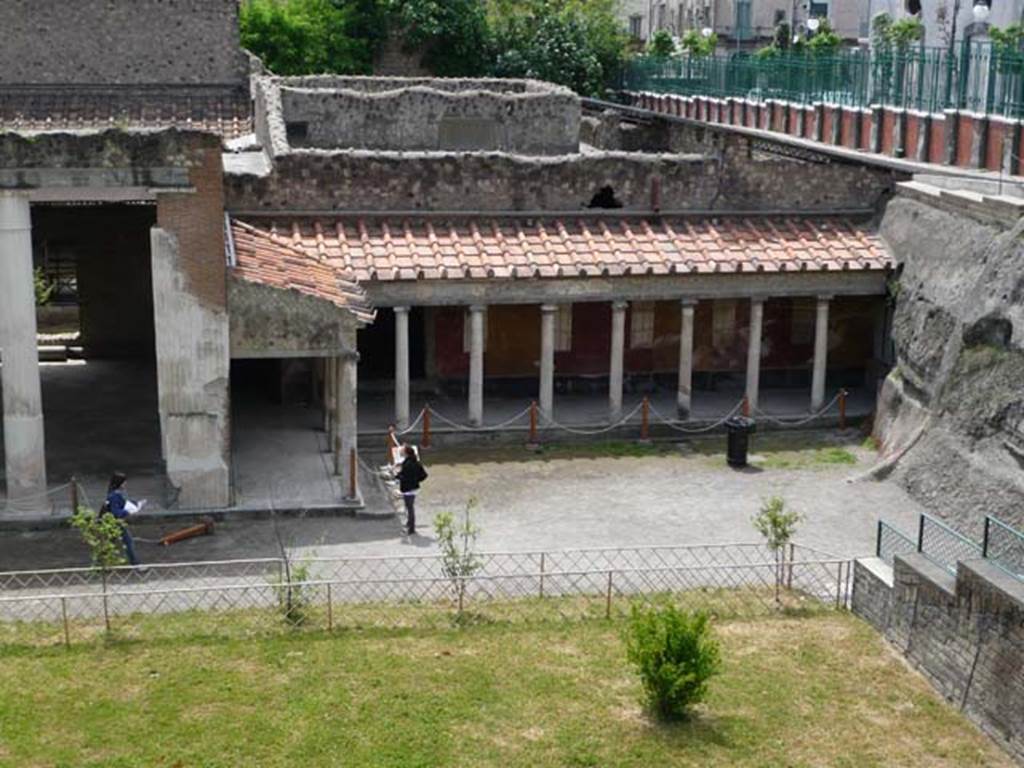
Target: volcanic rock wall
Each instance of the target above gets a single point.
(956, 393)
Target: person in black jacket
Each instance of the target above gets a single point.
(410, 476)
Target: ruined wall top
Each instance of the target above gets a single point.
(166, 42)
(524, 117)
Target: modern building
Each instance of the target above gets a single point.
(263, 272)
(742, 22)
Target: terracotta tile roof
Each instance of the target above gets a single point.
(431, 248)
(228, 114)
(260, 259)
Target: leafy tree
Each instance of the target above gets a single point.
(299, 37)
(696, 44)
(572, 42)
(902, 33)
(457, 542)
(453, 34)
(102, 534)
(777, 525)
(824, 41)
(661, 46)
(675, 654)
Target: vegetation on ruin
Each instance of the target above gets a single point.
(577, 43)
(823, 690)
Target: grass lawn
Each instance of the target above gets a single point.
(815, 691)
(773, 450)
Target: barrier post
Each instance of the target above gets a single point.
(352, 473)
(64, 616)
(74, 494)
(608, 598)
(533, 423)
(330, 609)
(541, 594)
(645, 419)
(745, 406)
(842, 409)
(425, 442)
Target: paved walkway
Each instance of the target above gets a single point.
(525, 502)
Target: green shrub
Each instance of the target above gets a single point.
(661, 46)
(102, 534)
(43, 287)
(294, 594)
(675, 655)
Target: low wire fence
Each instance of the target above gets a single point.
(890, 542)
(976, 76)
(230, 597)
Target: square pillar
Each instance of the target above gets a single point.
(476, 364)
(329, 372)
(401, 367)
(820, 354)
(547, 360)
(685, 385)
(24, 449)
(754, 351)
(615, 368)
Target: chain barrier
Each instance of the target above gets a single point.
(673, 423)
(482, 428)
(804, 420)
(587, 432)
(25, 503)
(415, 423)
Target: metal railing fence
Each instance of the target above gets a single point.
(975, 76)
(1003, 545)
(891, 541)
(729, 580)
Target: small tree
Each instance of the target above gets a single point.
(103, 535)
(697, 45)
(778, 525)
(675, 654)
(662, 46)
(459, 559)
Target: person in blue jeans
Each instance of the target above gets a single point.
(117, 504)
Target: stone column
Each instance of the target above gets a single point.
(401, 367)
(616, 364)
(476, 364)
(820, 354)
(328, 367)
(547, 359)
(754, 351)
(345, 441)
(22, 399)
(333, 427)
(685, 386)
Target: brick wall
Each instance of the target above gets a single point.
(980, 142)
(141, 41)
(964, 633)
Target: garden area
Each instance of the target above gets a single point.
(818, 689)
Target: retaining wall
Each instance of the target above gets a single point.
(964, 633)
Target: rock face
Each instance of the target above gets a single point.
(957, 389)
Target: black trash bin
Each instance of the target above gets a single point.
(739, 429)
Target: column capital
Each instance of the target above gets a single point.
(477, 308)
(402, 309)
(688, 303)
(620, 306)
(548, 308)
(758, 299)
(825, 298)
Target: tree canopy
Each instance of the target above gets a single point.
(577, 43)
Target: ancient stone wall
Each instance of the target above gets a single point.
(955, 393)
(330, 112)
(354, 181)
(965, 633)
(125, 43)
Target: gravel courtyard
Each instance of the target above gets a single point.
(567, 497)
